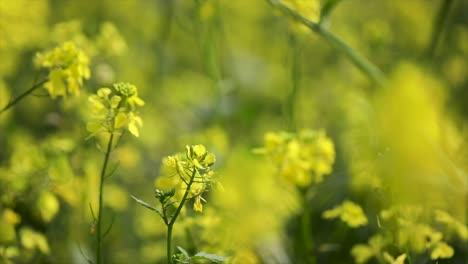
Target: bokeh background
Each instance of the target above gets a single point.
(224, 73)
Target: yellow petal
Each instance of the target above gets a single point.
(120, 120)
(133, 129)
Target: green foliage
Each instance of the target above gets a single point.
(366, 161)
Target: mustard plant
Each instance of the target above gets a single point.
(411, 231)
(186, 176)
(303, 159)
(113, 111)
(68, 67)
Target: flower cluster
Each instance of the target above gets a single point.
(349, 212)
(115, 109)
(68, 66)
(302, 158)
(190, 171)
(411, 229)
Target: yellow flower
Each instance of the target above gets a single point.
(48, 206)
(453, 224)
(349, 212)
(129, 93)
(178, 169)
(197, 205)
(31, 239)
(442, 251)
(302, 158)
(68, 67)
(363, 252)
(112, 110)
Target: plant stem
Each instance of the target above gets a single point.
(24, 94)
(307, 231)
(291, 118)
(169, 243)
(101, 193)
(170, 225)
(357, 59)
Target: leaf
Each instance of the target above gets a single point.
(183, 251)
(147, 205)
(212, 257)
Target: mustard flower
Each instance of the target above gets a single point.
(302, 158)
(349, 212)
(362, 253)
(68, 66)
(179, 169)
(113, 110)
(442, 251)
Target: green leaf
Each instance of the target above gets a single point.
(183, 251)
(147, 205)
(212, 257)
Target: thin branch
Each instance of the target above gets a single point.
(109, 228)
(24, 94)
(357, 59)
(116, 165)
(92, 212)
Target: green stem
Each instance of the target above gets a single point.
(170, 225)
(357, 59)
(169, 244)
(101, 193)
(295, 79)
(439, 24)
(307, 231)
(24, 94)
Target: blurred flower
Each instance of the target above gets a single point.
(48, 206)
(364, 252)
(302, 158)
(452, 224)
(31, 239)
(442, 251)
(349, 212)
(109, 41)
(68, 67)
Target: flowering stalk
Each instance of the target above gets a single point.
(112, 112)
(68, 66)
(303, 160)
(185, 177)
